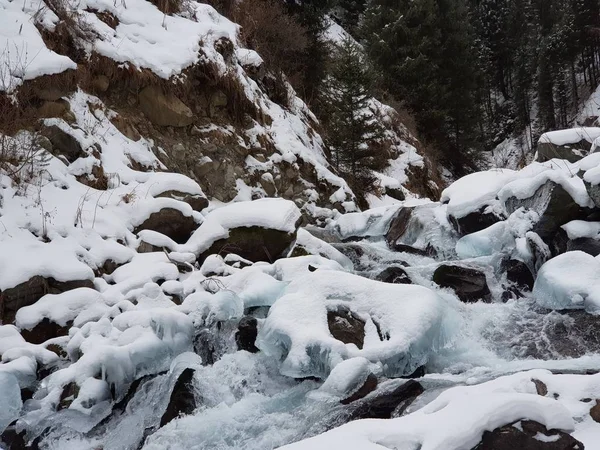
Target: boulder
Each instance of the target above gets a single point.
(253, 243)
(346, 326)
(554, 205)
(385, 404)
(164, 109)
(368, 386)
(395, 275)
(398, 226)
(396, 193)
(475, 221)
(170, 222)
(245, 337)
(182, 400)
(571, 152)
(197, 202)
(469, 284)
(527, 435)
(44, 331)
(53, 109)
(518, 274)
(63, 144)
(25, 294)
(126, 128)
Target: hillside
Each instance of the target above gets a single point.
(186, 263)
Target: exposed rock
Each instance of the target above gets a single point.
(164, 110)
(101, 83)
(554, 205)
(368, 386)
(403, 248)
(395, 275)
(126, 128)
(182, 401)
(384, 404)
(197, 202)
(170, 222)
(68, 395)
(25, 294)
(254, 244)
(593, 191)
(475, 221)
(571, 152)
(63, 143)
(398, 226)
(469, 284)
(347, 327)
(518, 273)
(53, 109)
(43, 331)
(396, 193)
(245, 337)
(51, 93)
(540, 387)
(525, 435)
(595, 411)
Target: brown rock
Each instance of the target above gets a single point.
(44, 331)
(527, 437)
(540, 387)
(347, 327)
(63, 144)
(101, 83)
(369, 386)
(384, 404)
(68, 395)
(595, 411)
(164, 109)
(53, 109)
(51, 93)
(126, 128)
(170, 222)
(197, 202)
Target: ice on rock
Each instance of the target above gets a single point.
(346, 378)
(316, 246)
(474, 191)
(10, 400)
(570, 136)
(456, 419)
(373, 222)
(206, 309)
(404, 324)
(569, 281)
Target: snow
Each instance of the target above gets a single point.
(569, 281)
(577, 229)
(346, 378)
(23, 54)
(296, 330)
(474, 191)
(316, 246)
(570, 136)
(456, 419)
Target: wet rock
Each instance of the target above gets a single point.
(368, 386)
(182, 401)
(428, 251)
(170, 222)
(396, 275)
(385, 404)
(63, 144)
(346, 326)
(164, 109)
(572, 152)
(540, 387)
(475, 221)
(245, 337)
(398, 226)
(554, 205)
(396, 193)
(518, 274)
(469, 284)
(527, 435)
(26, 294)
(43, 331)
(254, 244)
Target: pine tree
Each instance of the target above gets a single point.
(352, 129)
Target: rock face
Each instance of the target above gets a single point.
(475, 221)
(63, 144)
(554, 205)
(182, 401)
(170, 222)
(164, 110)
(245, 337)
(527, 435)
(25, 294)
(394, 274)
(469, 284)
(571, 152)
(385, 404)
(254, 244)
(346, 327)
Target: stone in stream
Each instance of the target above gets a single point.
(245, 337)
(182, 401)
(469, 284)
(394, 274)
(386, 404)
(527, 435)
(347, 327)
(475, 221)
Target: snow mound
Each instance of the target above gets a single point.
(570, 136)
(403, 324)
(569, 281)
(456, 419)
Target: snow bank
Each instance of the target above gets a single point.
(403, 324)
(577, 229)
(569, 281)
(570, 136)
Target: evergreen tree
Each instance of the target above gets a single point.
(352, 129)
